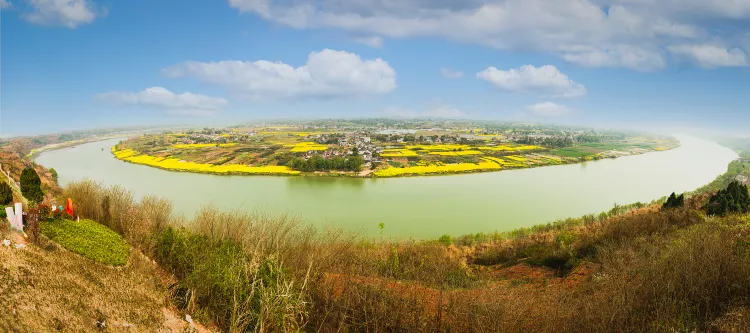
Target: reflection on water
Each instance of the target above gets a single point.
(326, 182)
(418, 207)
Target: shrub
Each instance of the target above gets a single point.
(674, 201)
(31, 221)
(53, 172)
(733, 199)
(6, 194)
(446, 240)
(45, 212)
(31, 185)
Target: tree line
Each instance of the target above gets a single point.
(318, 163)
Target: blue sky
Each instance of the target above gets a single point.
(77, 64)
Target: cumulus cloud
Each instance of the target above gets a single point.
(451, 74)
(67, 13)
(710, 56)
(545, 80)
(438, 112)
(597, 33)
(160, 98)
(372, 41)
(4, 4)
(327, 74)
(548, 110)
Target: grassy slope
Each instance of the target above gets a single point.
(89, 239)
(43, 289)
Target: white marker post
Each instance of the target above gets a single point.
(15, 217)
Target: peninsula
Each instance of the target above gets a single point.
(379, 147)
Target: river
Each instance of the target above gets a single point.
(415, 207)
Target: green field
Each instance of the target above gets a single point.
(571, 152)
(89, 239)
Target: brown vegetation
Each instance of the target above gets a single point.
(642, 270)
(647, 270)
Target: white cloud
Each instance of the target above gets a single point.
(548, 110)
(4, 4)
(438, 112)
(451, 74)
(373, 41)
(68, 13)
(710, 56)
(163, 99)
(596, 33)
(327, 74)
(545, 80)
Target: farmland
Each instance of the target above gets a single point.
(357, 150)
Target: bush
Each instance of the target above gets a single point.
(88, 238)
(31, 185)
(6, 194)
(733, 199)
(674, 201)
(446, 240)
(31, 221)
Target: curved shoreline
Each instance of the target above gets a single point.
(357, 175)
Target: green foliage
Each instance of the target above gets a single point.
(445, 240)
(6, 194)
(31, 185)
(319, 163)
(88, 238)
(54, 173)
(736, 168)
(733, 199)
(226, 281)
(674, 201)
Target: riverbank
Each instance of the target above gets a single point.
(413, 207)
(68, 144)
(487, 164)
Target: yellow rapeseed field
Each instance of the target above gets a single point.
(445, 147)
(456, 153)
(510, 148)
(516, 158)
(303, 147)
(177, 165)
(504, 163)
(201, 145)
(398, 153)
(437, 169)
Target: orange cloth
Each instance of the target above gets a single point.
(69, 207)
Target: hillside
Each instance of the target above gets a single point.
(45, 288)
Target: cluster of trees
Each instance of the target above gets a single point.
(674, 201)
(31, 185)
(318, 163)
(733, 199)
(547, 142)
(6, 194)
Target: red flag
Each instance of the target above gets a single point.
(69, 207)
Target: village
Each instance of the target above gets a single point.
(378, 148)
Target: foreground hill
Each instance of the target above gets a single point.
(637, 268)
(45, 288)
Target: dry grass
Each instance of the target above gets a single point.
(50, 289)
(646, 270)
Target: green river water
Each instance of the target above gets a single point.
(415, 207)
